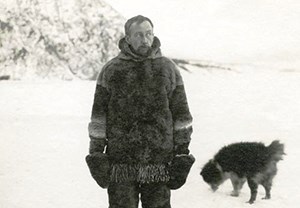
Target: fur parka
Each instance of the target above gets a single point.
(140, 115)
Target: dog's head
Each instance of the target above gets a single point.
(212, 174)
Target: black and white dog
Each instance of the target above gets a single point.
(246, 161)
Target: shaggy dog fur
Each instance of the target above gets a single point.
(246, 161)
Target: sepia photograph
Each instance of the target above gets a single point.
(149, 104)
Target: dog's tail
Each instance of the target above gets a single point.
(276, 150)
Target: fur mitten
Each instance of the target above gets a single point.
(179, 170)
(99, 167)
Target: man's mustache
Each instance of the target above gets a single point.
(145, 46)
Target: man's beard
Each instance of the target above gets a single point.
(143, 50)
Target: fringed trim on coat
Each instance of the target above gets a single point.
(140, 173)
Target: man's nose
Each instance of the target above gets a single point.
(144, 40)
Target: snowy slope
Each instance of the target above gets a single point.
(57, 39)
(44, 139)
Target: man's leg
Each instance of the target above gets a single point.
(123, 195)
(155, 195)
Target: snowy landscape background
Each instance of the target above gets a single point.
(44, 138)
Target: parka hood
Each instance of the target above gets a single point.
(127, 54)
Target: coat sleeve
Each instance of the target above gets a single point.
(97, 125)
(182, 118)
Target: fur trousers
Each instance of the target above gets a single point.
(128, 195)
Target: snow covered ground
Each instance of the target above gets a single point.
(44, 139)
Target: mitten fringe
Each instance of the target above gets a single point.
(139, 173)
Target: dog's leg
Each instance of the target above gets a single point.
(268, 180)
(267, 184)
(236, 190)
(268, 192)
(253, 187)
(237, 184)
(234, 181)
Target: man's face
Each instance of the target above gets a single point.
(140, 37)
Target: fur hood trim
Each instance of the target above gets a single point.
(128, 54)
(139, 173)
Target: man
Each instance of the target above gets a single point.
(141, 120)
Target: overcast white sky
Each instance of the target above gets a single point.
(223, 30)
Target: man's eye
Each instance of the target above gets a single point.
(149, 34)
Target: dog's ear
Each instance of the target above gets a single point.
(204, 168)
(216, 164)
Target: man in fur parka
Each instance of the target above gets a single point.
(140, 123)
